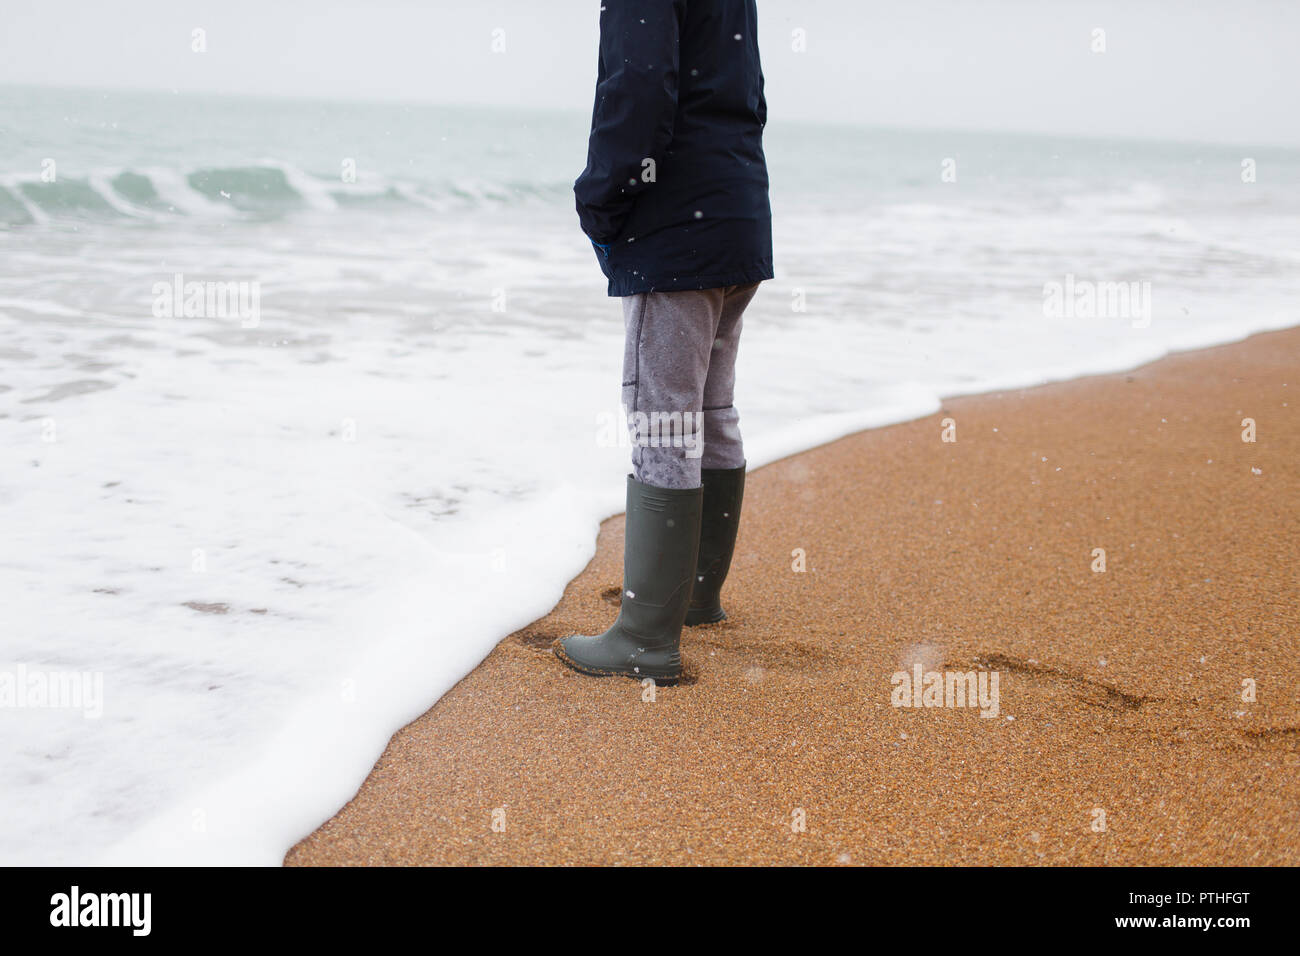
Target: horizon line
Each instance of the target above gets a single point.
(576, 111)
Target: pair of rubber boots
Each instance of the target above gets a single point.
(676, 554)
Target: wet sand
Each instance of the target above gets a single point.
(1121, 738)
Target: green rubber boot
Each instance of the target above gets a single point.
(659, 554)
(724, 489)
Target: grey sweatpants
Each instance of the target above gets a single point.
(679, 377)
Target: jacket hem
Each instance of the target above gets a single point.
(757, 271)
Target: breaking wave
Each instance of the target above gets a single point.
(266, 189)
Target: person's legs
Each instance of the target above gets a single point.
(668, 347)
(723, 473)
(723, 447)
(666, 362)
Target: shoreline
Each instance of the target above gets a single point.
(1120, 684)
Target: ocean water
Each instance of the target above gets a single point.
(258, 535)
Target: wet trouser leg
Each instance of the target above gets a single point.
(679, 376)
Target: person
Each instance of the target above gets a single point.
(674, 199)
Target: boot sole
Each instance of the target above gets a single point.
(660, 680)
(705, 617)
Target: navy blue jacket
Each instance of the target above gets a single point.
(674, 195)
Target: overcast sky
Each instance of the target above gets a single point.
(1214, 70)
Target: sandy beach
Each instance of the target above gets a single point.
(1121, 736)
